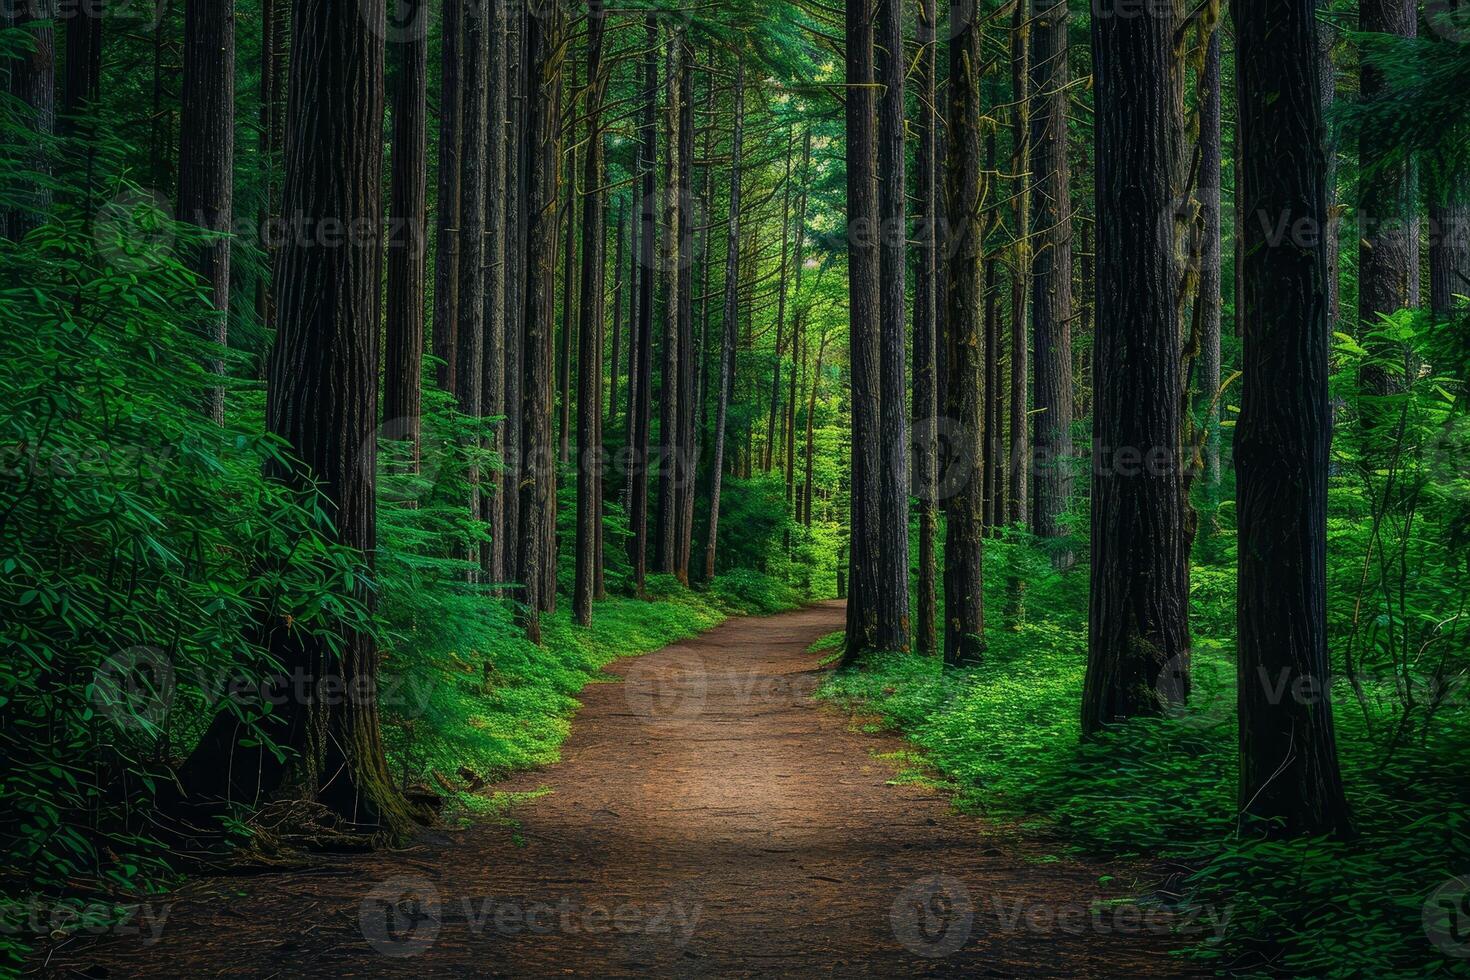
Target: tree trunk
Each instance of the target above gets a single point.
(727, 344)
(32, 82)
(82, 75)
(568, 306)
(1052, 286)
(617, 302)
(493, 363)
(926, 406)
(811, 441)
(670, 504)
(446, 255)
(688, 459)
(863, 327)
(1388, 257)
(1138, 643)
(1209, 283)
(469, 358)
(517, 196)
(407, 216)
(207, 158)
(322, 402)
(893, 476)
(538, 477)
(589, 371)
(964, 599)
(768, 450)
(1289, 778)
(1020, 450)
(642, 415)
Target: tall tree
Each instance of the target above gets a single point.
(496, 255)
(207, 157)
(82, 77)
(407, 217)
(1210, 257)
(688, 457)
(1388, 255)
(893, 476)
(670, 501)
(1051, 302)
(517, 195)
(322, 402)
(1289, 777)
(470, 353)
(768, 449)
(538, 478)
(446, 253)
(964, 600)
(861, 123)
(641, 420)
(729, 322)
(1449, 202)
(589, 371)
(926, 404)
(1138, 620)
(1020, 448)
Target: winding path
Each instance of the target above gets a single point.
(707, 819)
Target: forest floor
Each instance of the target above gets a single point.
(707, 817)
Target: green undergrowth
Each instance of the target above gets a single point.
(1005, 736)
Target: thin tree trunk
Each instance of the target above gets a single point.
(469, 358)
(670, 507)
(799, 338)
(1052, 286)
(642, 416)
(617, 302)
(493, 362)
(517, 191)
(1138, 644)
(1209, 283)
(407, 215)
(727, 346)
(1388, 257)
(207, 158)
(589, 371)
(863, 325)
(926, 406)
(568, 307)
(1289, 777)
(964, 598)
(1020, 452)
(768, 451)
(446, 255)
(811, 442)
(688, 459)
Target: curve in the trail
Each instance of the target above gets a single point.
(707, 818)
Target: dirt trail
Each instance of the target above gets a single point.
(707, 819)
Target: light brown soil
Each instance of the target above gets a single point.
(707, 818)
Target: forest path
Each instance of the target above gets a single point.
(707, 819)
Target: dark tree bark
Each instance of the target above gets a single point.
(1052, 285)
(811, 440)
(1020, 448)
(407, 217)
(798, 330)
(1289, 778)
(1209, 282)
(670, 504)
(768, 450)
(642, 408)
(589, 371)
(446, 256)
(1138, 643)
(893, 475)
(1388, 256)
(617, 303)
(1449, 245)
(517, 191)
(538, 476)
(964, 600)
(994, 460)
(31, 80)
(688, 458)
(322, 402)
(926, 405)
(82, 72)
(493, 363)
(729, 323)
(207, 158)
(568, 305)
(861, 124)
(469, 358)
